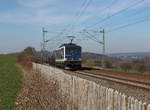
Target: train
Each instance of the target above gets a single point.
(67, 56)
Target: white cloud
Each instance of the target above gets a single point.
(36, 3)
(45, 12)
(37, 18)
(38, 12)
(35, 12)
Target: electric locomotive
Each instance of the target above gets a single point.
(68, 56)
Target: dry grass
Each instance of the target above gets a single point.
(40, 94)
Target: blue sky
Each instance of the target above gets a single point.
(21, 22)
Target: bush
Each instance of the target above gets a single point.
(140, 67)
(26, 57)
(107, 64)
(98, 63)
(30, 51)
(126, 66)
(89, 63)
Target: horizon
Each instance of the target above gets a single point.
(88, 52)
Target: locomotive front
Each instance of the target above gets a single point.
(73, 56)
(69, 56)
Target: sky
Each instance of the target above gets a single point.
(21, 23)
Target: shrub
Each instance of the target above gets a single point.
(88, 63)
(140, 67)
(98, 63)
(107, 64)
(125, 66)
(27, 57)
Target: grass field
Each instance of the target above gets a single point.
(10, 81)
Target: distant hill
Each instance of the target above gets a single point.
(131, 54)
(89, 55)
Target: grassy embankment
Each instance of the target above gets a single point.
(10, 81)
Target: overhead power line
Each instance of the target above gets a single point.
(108, 17)
(83, 7)
(129, 17)
(75, 16)
(129, 24)
(89, 37)
(110, 6)
(77, 19)
(105, 8)
(139, 11)
(78, 14)
(92, 37)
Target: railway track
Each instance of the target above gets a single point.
(133, 83)
(130, 82)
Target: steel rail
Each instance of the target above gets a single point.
(134, 83)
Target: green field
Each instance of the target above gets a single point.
(10, 81)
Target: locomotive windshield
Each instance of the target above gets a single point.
(73, 51)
